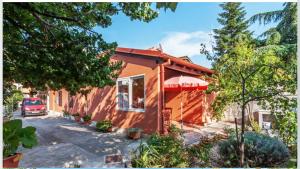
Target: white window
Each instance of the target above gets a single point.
(131, 94)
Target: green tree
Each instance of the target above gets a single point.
(283, 40)
(54, 45)
(11, 98)
(233, 24)
(287, 26)
(248, 72)
(253, 75)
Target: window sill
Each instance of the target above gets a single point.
(132, 110)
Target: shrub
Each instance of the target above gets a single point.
(260, 151)
(160, 151)
(174, 129)
(66, 113)
(104, 125)
(14, 136)
(76, 115)
(86, 118)
(199, 153)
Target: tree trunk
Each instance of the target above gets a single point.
(242, 144)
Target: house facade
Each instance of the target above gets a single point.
(138, 98)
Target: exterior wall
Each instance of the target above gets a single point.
(196, 104)
(101, 103)
(53, 105)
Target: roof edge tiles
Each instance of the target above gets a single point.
(159, 54)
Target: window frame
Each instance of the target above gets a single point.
(130, 80)
(60, 97)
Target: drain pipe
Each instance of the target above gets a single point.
(162, 95)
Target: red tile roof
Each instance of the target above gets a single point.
(160, 54)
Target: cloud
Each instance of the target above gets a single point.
(185, 43)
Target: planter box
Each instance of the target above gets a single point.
(12, 161)
(77, 118)
(86, 123)
(134, 133)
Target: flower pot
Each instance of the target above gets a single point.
(134, 135)
(86, 122)
(12, 161)
(109, 129)
(77, 118)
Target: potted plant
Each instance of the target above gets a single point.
(104, 126)
(13, 137)
(66, 114)
(87, 119)
(174, 131)
(134, 133)
(77, 117)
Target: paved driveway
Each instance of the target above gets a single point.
(63, 143)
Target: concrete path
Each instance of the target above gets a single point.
(194, 133)
(65, 143)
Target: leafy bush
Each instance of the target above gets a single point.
(14, 136)
(86, 118)
(260, 151)
(174, 129)
(11, 98)
(199, 153)
(66, 113)
(287, 127)
(160, 151)
(104, 125)
(76, 115)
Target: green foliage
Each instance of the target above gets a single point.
(87, 118)
(199, 154)
(255, 126)
(287, 127)
(14, 136)
(58, 41)
(229, 131)
(66, 113)
(287, 18)
(11, 98)
(282, 106)
(104, 125)
(76, 115)
(260, 151)
(174, 129)
(233, 22)
(160, 151)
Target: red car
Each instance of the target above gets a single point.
(33, 106)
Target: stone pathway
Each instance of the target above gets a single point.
(193, 133)
(65, 143)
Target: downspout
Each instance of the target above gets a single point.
(162, 94)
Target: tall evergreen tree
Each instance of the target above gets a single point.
(233, 21)
(287, 23)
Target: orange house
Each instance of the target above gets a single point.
(138, 99)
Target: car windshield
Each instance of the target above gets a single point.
(33, 102)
